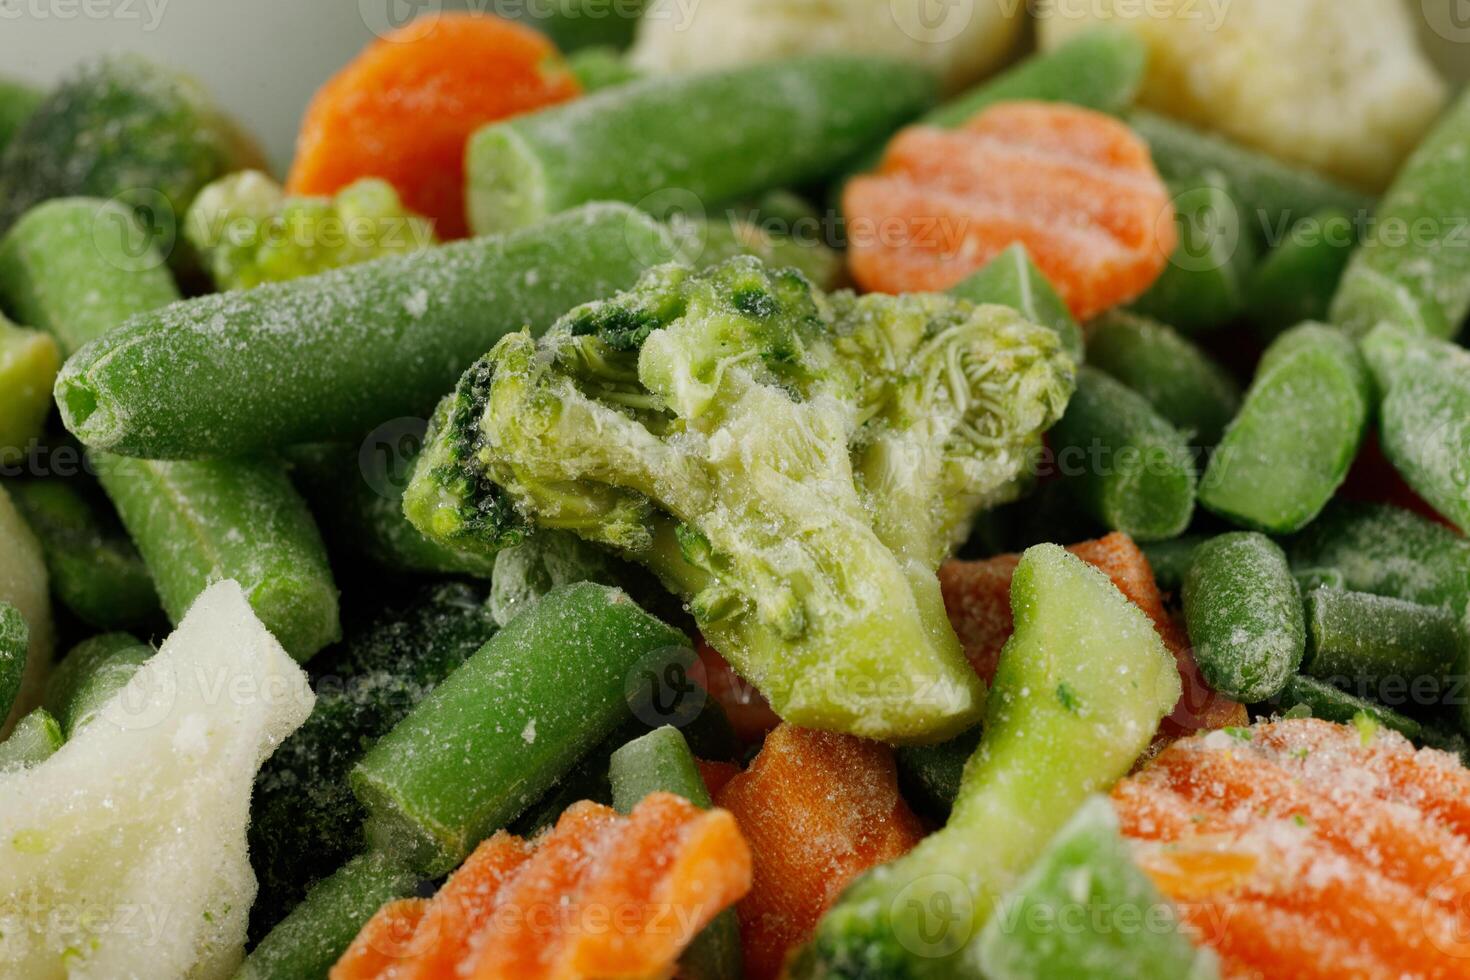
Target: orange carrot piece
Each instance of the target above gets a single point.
(716, 775)
(977, 596)
(462, 906)
(404, 108)
(384, 944)
(1256, 940)
(1076, 187)
(818, 809)
(749, 712)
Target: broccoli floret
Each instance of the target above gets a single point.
(793, 465)
(248, 231)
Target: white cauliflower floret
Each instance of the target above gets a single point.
(124, 853)
(1340, 86)
(960, 42)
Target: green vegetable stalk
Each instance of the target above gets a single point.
(794, 465)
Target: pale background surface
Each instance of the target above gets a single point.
(264, 58)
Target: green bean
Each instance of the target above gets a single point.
(23, 584)
(305, 944)
(1270, 195)
(29, 360)
(1388, 551)
(1308, 579)
(1180, 381)
(601, 67)
(95, 570)
(1126, 465)
(1170, 560)
(15, 636)
(1203, 286)
(661, 762)
(198, 523)
(1013, 279)
(504, 727)
(1333, 704)
(17, 101)
(1244, 614)
(35, 738)
(329, 356)
(1289, 449)
(1414, 265)
(77, 267)
(1296, 281)
(1424, 414)
(89, 675)
(799, 119)
(931, 774)
(576, 24)
(1357, 639)
(527, 571)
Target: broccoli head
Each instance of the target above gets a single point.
(794, 465)
(248, 231)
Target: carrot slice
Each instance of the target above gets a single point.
(384, 944)
(461, 907)
(1076, 187)
(404, 108)
(818, 809)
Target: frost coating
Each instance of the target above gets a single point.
(23, 584)
(125, 851)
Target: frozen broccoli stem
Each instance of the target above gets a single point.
(35, 738)
(798, 119)
(305, 944)
(166, 766)
(1424, 414)
(17, 101)
(794, 466)
(1013, 279)
(121, 126)
(15, 637)
(24, 584)
(305, 820)
(330, 356)
(1180, 381)
(95, 570)
(526, 572)
(1203, 286)
(504, 727)
(1296, 281)
(1269, 194)
(247, 231)
(78, 267)
(29, 360)
(1297, 433)
(90, 674)
(199, 522)
(1413, 268)
(1087, 911)
(1128, 467)
(1363, 641)
(1082, 686)
(1244, 613)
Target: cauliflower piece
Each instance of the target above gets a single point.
(125, 851)
(1336, 85)
(960, 42)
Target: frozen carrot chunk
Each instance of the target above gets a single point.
(385, 942)
(749, 712)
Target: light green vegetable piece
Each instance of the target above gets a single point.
(525, 572)
(146, 808)
(248, 231)
(35, 738)
(29, 361)
(1082, 685)
(15, 637)
(25, 585)
(1013, 279)
(794, 466)
(90, 674)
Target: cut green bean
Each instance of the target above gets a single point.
(1203, 286)
(1180, 381)
(1013, 279)
(1127, 466)
(95, 570)
(1308, 579)
(527, 571)
(1388, 551)
(801, 117)
(15, 637)
(504, 727)
(198, 523)
(23, 584)
(1296, 281)
(1270, 195)
(1170, 560)
(930, 775)
(35, 738)
(661, 762)
(77, 267)
(1333, 704)
(305, 944)
(1244, 614)
(330, 356)
(1362, 641)
(1424, 414)
(1413, 268)
(89, 675)
(574, 25)
(1289, 449)
(601, 67)
(304, 818)
(29, 360)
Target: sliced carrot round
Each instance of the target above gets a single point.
(1076, 187)
(403, 109)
